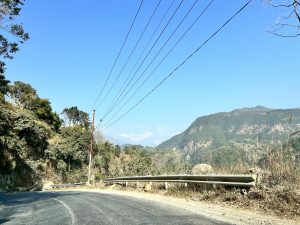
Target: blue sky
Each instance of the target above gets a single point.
(73, 46)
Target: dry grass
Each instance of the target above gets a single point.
(277, 194)
(283, 168)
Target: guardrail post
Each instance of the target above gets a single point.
(137, 184)
(166, 185)
(185, 185)
(126, 184)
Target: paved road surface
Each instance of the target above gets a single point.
(76, 208)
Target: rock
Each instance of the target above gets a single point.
(243, 192)
(202, 169)
(148, 187)
(47, 185)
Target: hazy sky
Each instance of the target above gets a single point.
(74, 44)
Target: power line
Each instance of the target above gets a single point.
(181, 64)
(119, 53)
(174, 13)
(132, 51)
(162, 60)
(117, 96)
(142, 53)
(128, 91)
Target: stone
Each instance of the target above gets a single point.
(47, 185)
(202, 169)
(148, 187)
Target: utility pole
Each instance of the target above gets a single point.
(91, 148)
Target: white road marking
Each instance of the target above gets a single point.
(73, 217)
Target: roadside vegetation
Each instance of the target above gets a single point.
(36, 145)
(276, 192)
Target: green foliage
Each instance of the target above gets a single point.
(228, 157)
(42, 108)
(74, 116)
(24, 96)
(61, 166)
(22, 136)
(4, 87)
(70, 147)
(9, 9)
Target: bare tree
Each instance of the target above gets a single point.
(288, 22)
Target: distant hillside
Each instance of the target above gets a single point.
(247, 129)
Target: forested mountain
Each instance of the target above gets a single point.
(250, 129)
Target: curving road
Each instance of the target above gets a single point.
(76, 208)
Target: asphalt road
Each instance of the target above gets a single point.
(78, 208)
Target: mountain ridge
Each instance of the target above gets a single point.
(246, 128)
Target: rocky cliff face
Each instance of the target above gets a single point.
(247, 128)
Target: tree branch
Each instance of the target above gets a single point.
(285, 36)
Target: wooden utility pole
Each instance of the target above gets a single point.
(91, 148)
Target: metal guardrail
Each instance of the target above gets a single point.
(68, 185)
(242, 180)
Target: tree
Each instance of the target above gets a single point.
(42, 108)
(22, 136)
(9, 9)
(25, 97)
(4, 87)
(68, 150)
(288, 24)
(74, 117)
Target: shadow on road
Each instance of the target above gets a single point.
(12, 199)
(14, 204)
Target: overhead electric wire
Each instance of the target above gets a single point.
(131, 53)
(140, 56)
(181, 64)
(153, 46)
(118, 55)
(162, 60)
(132, 86)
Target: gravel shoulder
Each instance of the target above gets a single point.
(220, 212)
